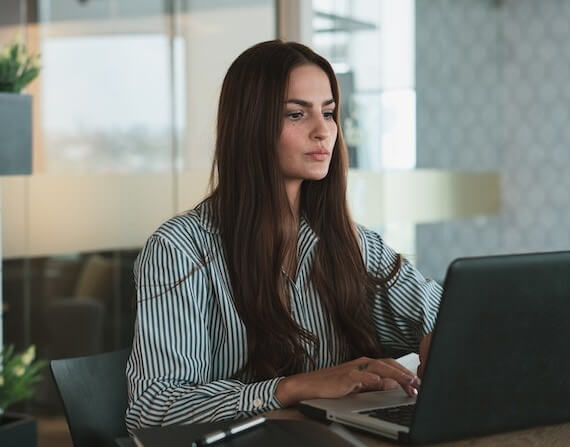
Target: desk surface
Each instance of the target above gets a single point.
(551, 436)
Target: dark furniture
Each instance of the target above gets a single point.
(93, 390)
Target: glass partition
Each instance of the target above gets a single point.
(124, 119)
(371, 47)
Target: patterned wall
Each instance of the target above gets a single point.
(493, 93)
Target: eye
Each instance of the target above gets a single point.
(295, 115)
(329, 115)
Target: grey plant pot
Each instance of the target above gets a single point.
(15, 134)
(17, 430)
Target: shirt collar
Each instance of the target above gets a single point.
(205, 214)
(307, 237)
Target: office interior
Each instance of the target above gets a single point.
(454, 111)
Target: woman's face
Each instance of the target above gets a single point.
(309, 130)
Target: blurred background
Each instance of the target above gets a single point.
(454, 111)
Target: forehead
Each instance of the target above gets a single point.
(309, 82)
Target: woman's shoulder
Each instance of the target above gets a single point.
(369, 237)
(189, 230)
(375, 252)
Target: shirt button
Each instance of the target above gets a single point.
(257, 402)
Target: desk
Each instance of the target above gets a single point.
(551, 436)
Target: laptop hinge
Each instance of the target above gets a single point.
(313, 412)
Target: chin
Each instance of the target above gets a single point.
(316, 176)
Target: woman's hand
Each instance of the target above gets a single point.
(363, 374)
(424, 351)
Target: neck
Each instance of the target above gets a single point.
(293, 189)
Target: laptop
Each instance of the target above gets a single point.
(499, 358)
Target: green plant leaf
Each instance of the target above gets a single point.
(19, 377)
(17, 68)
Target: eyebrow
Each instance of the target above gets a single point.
(304, 103)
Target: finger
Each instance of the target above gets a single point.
(417, 381)
(360, 379)
(391, 368)
(390, 384)
(397, 365)
(408, 380)
(420, 370)
(424, 347)
(371, 380)
(424, 352)
(368, 380)
(394, 363)
(380, 385)
(374, 382)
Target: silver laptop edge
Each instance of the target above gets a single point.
(347, 410)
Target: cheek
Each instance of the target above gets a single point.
(334, 133)
(288, 141)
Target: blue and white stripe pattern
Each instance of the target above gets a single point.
(189, 341)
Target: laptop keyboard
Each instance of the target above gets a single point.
(399, 415)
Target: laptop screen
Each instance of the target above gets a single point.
(499, 355)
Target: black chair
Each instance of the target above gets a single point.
(93, 390)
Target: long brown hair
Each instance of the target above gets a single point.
(257, 227)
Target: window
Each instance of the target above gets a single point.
(370, 44)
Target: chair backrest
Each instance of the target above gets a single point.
(93, 390)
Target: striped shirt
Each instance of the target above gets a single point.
(189, 340)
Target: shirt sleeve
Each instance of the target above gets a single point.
(407, 310)
(169, 372)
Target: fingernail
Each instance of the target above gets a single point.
(414, 381)
(414, 392)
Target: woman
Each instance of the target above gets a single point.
(267, 293)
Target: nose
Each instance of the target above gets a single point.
(320, 130)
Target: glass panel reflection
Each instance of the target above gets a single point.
(106, 104)
(370, 44)
(124, 120)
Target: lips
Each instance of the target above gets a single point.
(318, 155)
(318, 152)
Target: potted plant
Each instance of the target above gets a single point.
(17, 70)
(19, 373)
